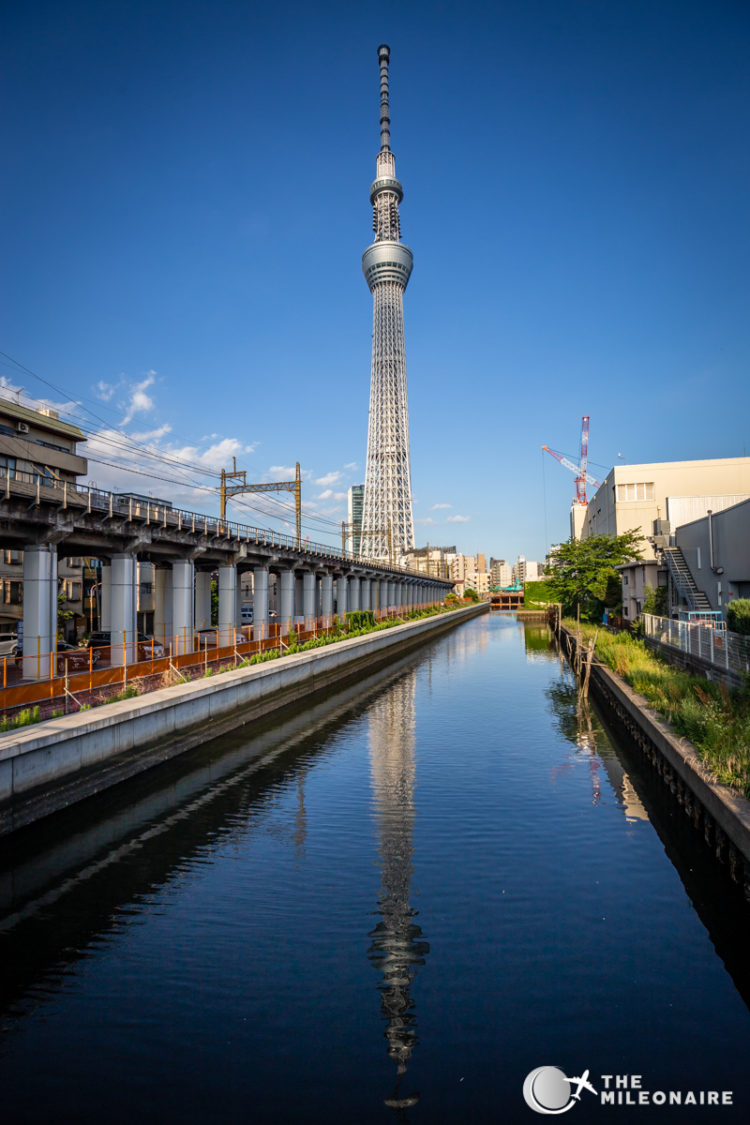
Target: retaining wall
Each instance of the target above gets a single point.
(720, 814)
(47, 767)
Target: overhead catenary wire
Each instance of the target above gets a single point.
(118, 441)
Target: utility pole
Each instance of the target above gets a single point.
(379, 531)
(294, 486)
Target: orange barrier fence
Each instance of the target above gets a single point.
(62, 687)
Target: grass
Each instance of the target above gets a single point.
(25, 718)
(714, 717)
(537, 595)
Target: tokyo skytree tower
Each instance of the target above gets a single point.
(387, 263)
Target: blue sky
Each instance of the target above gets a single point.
(185, 205)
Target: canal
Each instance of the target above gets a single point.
(391, 906)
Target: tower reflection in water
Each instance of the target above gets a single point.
(396, 947)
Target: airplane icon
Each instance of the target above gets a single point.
(581, 1084)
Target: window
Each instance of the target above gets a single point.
(13, 592)
(636, 490)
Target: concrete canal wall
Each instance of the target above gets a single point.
(48, 767)
(720, 814)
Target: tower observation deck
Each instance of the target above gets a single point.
(387, 264)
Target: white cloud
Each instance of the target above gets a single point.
(104, 391)
(329, 478)
(339, 496)
(426, 521)
(139, 402)
(350, 466)
(436, 506)
(153, 435)
(326, 495)
(458, 519)
(283, 472)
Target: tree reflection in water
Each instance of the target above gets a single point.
(575, 722)
(396, 946)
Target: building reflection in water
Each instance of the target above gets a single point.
(397, 946)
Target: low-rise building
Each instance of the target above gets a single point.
(716, 548)
(36, 445)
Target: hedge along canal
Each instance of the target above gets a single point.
(47, 768)
(718, 813)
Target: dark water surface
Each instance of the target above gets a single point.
(390, 907)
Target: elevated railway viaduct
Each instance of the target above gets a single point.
(49, 520)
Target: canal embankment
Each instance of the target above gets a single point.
(719, 813)
(50, 767)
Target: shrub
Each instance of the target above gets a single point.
(738, 616)
(360, 619)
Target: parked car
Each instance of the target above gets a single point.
(148, 647)
(73, 658)
(8, 644)
(70, 658)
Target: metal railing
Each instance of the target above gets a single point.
(723, 649)
(151, 513)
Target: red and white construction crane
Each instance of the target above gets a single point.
(583, 477)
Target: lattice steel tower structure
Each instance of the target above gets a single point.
(387, 264)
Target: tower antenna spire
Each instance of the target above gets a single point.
(384, 54)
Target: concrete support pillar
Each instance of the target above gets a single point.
(364, 593)
(39, 621)
(354, 594)
(183, 599)
(342, 590)
(163, 604)
(286, 607)
(260, 602)
(203, 600)
(227, 604)
(105, 596)
(299, 597)
(308, 598)
(326, 598)
(123, 632)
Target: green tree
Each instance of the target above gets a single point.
(655, 601)
(63, 614)
(583, 571)
(470, 593)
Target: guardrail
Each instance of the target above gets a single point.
(151, 512)
(61, 692)
(723, 649)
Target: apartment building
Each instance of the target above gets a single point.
(527, 570)
(500, 573)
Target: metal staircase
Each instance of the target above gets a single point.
(683, 580)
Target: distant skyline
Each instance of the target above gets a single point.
(185, 206)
